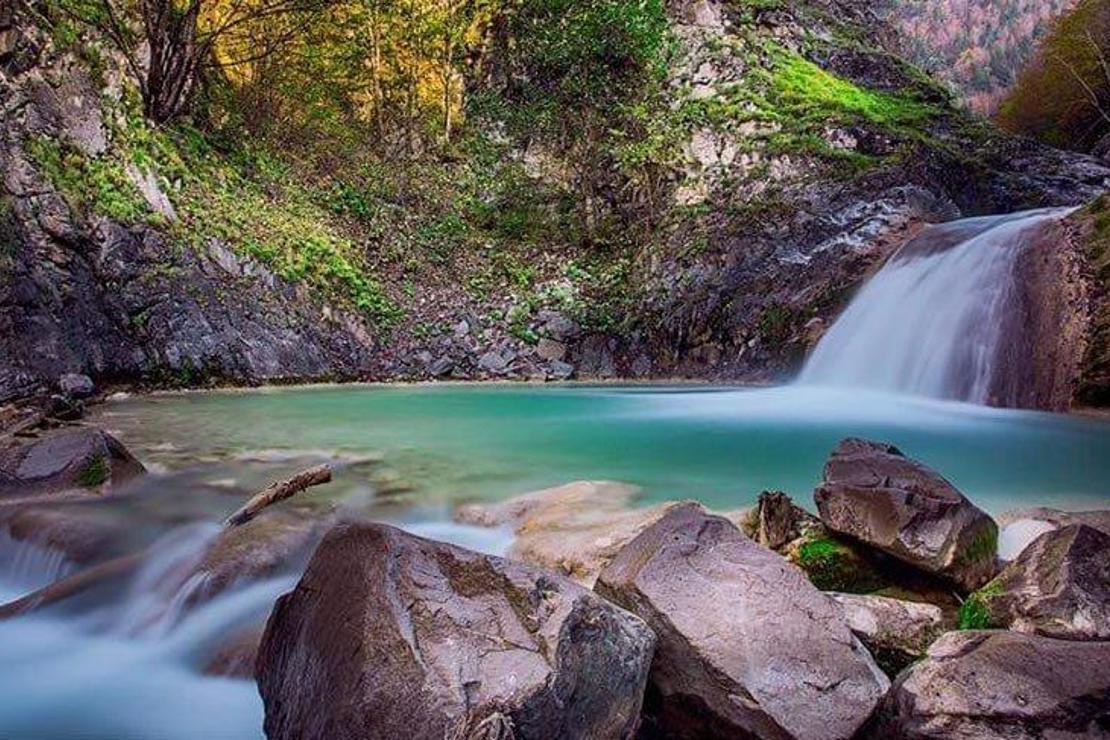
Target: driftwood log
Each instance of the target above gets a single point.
(279, 491)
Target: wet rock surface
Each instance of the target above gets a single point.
(746, 645)
(1058, 587)
(896, 632)
(68, 459)
(389, 635)
(988, 685)
(1020, 527)
(874, 494)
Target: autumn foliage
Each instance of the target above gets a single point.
(1064, 97)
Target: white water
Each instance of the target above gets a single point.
(930, 322)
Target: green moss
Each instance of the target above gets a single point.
(834, 566)
(983, 546)
(811, 92)
(975, 613)
(94, 473)
(91, 185)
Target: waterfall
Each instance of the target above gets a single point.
(931, 322)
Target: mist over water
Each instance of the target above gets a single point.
(931, 321)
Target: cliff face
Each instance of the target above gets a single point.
(85, 292)
(802, 153)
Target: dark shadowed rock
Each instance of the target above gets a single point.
(1058, 587)
(746, 645)
(388, 635)
(776, 521)
(896, 632)
(76, 385)
(63, 460)
(875, 494)
(991, 685)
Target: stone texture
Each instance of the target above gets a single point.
(992, 685)
(777, 521)
(1058, 587)
(1020, 527)
(388, 635)
(873, 493)
(76, 385)
(896, 632)
(746, 645)
(66, 459)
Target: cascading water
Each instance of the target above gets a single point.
(931, 321)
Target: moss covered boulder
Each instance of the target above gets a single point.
(874, 494)
(1058, 587)
(68, 459)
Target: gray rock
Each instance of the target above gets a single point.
(992, 685)
(560, 370)
(549, 349)
(75, 385)
(65, 460)
(776, 521)
(746, 645)
(1058, 587)
(442, 366)
(896, 632)
(388, 635)
(556, 325)
(873, 493)
(493, 362)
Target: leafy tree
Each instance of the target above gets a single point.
(1064, 97)
(179, 38)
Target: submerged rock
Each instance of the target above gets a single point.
(67, 459)
(388, 635)
(746, 645)
(873, 493)
(988, 685)
(1058, 587)
(576, 528)
(896, 632)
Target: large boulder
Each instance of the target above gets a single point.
(72, 458)
(896, 632)
(746, 645)
(873, 493)
(990, 685)
(1058, 587)
(389, 635)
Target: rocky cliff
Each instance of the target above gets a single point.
(800, 153)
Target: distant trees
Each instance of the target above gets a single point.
(1064, 97)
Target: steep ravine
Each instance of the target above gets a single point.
(770, 230)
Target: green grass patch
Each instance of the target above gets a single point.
(833, 566)
(975, 613)
(813, 94)
(94, 473)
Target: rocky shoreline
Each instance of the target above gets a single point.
(890, 613)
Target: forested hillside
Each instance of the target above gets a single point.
(979, 47)
(542, 188)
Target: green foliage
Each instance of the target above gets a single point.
(975, 613)
(98, 185)
(581, 54)
(807, 91)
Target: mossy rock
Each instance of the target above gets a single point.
(975, 613)
(834, 565)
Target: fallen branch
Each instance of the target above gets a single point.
(279, 491)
